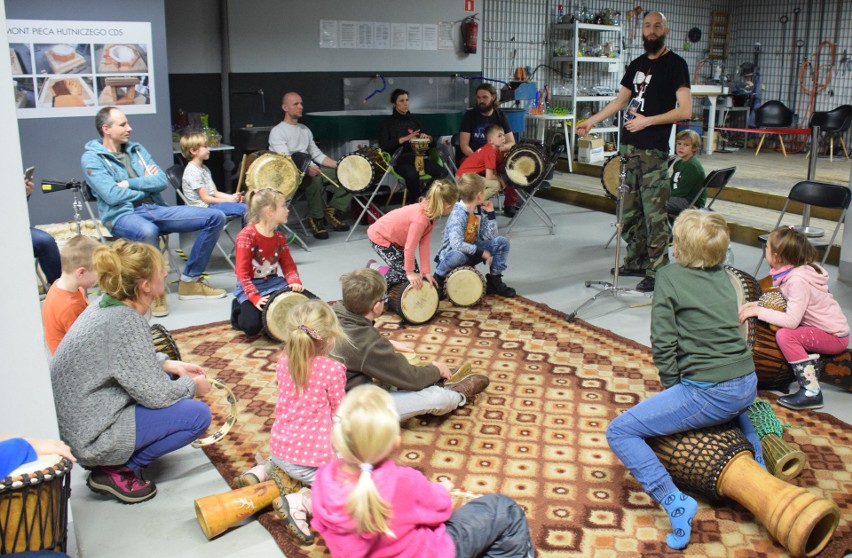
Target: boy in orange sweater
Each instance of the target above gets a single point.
(67, 298)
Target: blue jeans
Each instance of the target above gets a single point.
(433, 400)
(162, 431)
(149, 221)
(679, 408)
(47, 253)
(498, 246)
(491, 526)
(232, 209)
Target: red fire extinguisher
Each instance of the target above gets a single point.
(470, 29)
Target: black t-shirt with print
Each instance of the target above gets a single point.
(475, 123)
(661, 78)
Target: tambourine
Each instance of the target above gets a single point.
(233, 415)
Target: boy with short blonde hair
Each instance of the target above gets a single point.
(688, 174)
(67, 298)
(198, 186)
(470, 237)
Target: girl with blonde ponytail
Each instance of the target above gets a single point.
(364, 505)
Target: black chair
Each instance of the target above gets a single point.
(834, 123)
(773, 114)
(175, 175)
(820, 194)
(716, 180)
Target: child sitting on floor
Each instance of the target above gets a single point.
(688, 174)
(470, 237)
(66, 299)
(370, 357)
(706, 383)
(364, 504)
(400, 233)
(264, 264)
(198, 186)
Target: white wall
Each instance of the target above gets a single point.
(26, 396)
(283, 36)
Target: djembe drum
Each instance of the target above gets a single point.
(415, 306)
(277, 308)
(274, 170)
(34, 506)
(610, 176)
(525, 164)
(164, 342)
(420, 148)
(717, 462)
(464, 286)
(358, 170)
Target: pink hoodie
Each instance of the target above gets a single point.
(420, 509)
(808, 303)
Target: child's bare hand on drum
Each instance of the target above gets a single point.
(487, 256)
(415, 280)
(487, 206)
(297, 287)
(262, 302)
(432, 280)
(401, 347)
(58, 447)
(748, 310)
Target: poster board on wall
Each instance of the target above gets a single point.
(74, 68)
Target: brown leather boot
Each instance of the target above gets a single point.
(331, 217)
(470, 386)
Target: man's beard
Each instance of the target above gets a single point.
(654, 46)
(486, 107)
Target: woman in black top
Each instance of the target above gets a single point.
(400, 128)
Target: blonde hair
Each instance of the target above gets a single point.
(700, 239)
(364, 435)
(77, 253)
(362, 288)
(258, 200)
(123, 265)
(690, 135)
(470, 184)
(441, 193)
(791, 247)
(312, 330)
(191, 141)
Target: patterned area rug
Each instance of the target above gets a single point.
(537, 434)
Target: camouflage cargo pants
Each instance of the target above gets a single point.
(646, 229)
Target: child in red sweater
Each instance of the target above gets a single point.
(487, 161)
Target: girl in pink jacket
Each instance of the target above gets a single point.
(365, 505)
(813, 322)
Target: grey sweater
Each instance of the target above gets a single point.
(105, 366)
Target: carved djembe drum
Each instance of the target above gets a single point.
(717, 462)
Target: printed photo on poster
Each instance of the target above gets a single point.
(24, 93)
(60, 91)
(123, 90)
(63, 58)
(21, 59)
(121, 58)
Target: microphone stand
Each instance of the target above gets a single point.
(611, 288)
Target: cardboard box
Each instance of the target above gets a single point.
(590, 150)
(715, 141)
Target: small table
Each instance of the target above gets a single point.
(228, 165)
(712, 92)
(564, 118)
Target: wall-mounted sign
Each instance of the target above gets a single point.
(74, 68)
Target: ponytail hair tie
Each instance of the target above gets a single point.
(366, 468)
(311, 331)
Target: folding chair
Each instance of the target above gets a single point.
(88, 198)
(527, 195)
(175, 175)
(717, 180)
(370, 195)
(445, 152)
(819, 194)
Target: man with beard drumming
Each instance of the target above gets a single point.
(653, 106)
(472, 134)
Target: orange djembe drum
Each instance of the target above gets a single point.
(717, 462)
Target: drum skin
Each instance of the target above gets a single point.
(525, 164)
(274, 170)
(415, 306)
(276, 309)
(358, 170)
(610, 176)
(464, 286)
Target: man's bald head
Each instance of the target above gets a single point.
(291, 104)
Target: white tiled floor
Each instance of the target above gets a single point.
(545, 268)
